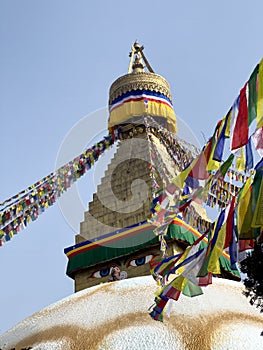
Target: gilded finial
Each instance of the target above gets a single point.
(136, 45)
(137, 66)
(134, 66)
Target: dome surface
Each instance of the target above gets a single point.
(115, 316)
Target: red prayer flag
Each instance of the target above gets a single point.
(172, 293)
(245, 244)
(205, 281)
(240, 132)
(199, 170)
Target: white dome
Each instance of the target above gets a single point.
(115, 316)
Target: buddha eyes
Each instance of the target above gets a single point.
(141, 261)
(134, 262)
(101, 273)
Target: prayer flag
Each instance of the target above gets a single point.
(214, 248)
(225, 166)
(257, 139)
(219, 148)
(240, 129)
(192, 290)
(243, 208)
(233, 119)
(259, 118)
(252, 96)
(172, 293)
(212, 162)
(192, 269)
(250, 213)
(259, 164)
(240, 159)
(196, 169)
(230, 224)
(257, 220)
(233, 248)
(249, 155)
(205, 281)
(217, 244)
(199, 170)
(227, 131)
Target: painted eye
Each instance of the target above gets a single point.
(101, 273)
(141, 261)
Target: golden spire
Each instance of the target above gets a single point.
(136, 65)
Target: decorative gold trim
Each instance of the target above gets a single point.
(139, 81)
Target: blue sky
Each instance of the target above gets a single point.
(57, 62)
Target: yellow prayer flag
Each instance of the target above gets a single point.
(257, 220)
(179, 282)
(214, 164)
(241, 159)
(243, 203)
(227, 130)
(214, 265)
(183, 257)
(157, 208)
(180, 178)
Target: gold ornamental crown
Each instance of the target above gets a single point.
(137, 80)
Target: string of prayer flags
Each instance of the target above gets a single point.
(182, 151)
(40, 196)
(171, 137)
(151, 165)
(185, 282)
(14, 199)
(240, 221)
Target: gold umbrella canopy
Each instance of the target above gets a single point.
(139, 93)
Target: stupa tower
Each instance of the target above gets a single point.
(124, 197)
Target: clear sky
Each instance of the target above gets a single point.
(58, 59)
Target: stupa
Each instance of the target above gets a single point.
(115, 230)
(116, 233)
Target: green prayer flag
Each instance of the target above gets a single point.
(252, 95)
(257, 220)
(225, 166)
(191, 290)
(248, 229)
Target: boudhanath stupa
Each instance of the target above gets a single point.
(132, 225)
